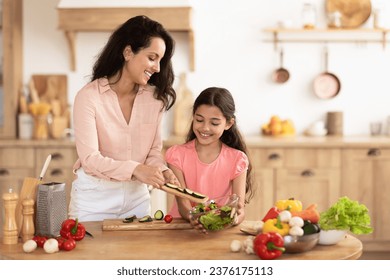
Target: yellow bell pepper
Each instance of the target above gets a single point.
(275, 225)
(290, 204)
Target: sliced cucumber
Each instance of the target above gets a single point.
(159, 215)
(129, 219)
(146, 218)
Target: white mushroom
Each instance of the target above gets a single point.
(235, 246)
(285, 216)
(29, 246)
(296, 221)
(296, 231)
(51, 246)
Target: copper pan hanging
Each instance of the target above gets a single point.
(326, 85)
(281, 75)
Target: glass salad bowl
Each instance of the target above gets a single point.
(216, 214)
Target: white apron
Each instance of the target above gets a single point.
(95, 199)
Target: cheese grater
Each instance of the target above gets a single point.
(51, 209)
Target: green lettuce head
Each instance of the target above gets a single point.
(346, 214)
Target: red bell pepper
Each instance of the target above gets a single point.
(66, 244)
(72, 229)
(272, 213)
(268, 246)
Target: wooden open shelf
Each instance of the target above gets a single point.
(106, 19)
(326, 35)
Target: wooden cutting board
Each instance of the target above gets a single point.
(118, 224)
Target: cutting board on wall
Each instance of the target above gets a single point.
(52, 87)
(118, 224)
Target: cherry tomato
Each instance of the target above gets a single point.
(40, 240)
(168, 218)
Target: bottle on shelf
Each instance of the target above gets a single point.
(309, 16)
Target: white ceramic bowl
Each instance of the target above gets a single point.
(331, 237)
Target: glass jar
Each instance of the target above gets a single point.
(309, 16)
(41, 127)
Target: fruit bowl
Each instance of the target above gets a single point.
(216, 214)
(299, 244)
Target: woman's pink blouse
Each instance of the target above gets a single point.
(107, 146)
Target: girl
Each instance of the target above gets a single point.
(213, 161)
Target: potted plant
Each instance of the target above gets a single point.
(343, 216)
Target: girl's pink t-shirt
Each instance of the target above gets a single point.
(212, 179)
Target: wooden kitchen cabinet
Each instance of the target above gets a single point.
(25, 158)
(15, 164)
(309, 175)
(366, 178)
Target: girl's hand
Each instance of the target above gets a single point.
(170, 177)
(240, 215)
(196, 225)
(149, 175)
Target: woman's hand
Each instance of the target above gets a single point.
(170, 177)
(149, 175)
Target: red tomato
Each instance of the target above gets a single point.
(168, 218)
(40, 240)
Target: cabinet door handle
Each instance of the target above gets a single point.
(56, 172)
(274, 156)
(56, 156)
(374, 152)
(307, 173)
(4, 172)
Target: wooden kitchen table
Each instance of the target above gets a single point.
(182, 244)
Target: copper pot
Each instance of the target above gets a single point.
(281, 75)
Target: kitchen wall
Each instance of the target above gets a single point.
(231, 52)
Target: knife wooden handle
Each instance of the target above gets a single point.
(44, 168)
(185, 193)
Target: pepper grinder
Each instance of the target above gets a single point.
(28, 228)
(10, 231)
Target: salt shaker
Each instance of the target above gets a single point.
(28, 228)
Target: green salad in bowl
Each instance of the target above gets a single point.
(216, 214)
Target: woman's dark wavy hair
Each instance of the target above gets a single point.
(138, 32)
(222, 98)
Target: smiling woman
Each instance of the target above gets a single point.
(117, 122)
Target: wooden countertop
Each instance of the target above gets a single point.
(251, 141)
(364, 141)
(36, 143)
(171, 244)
